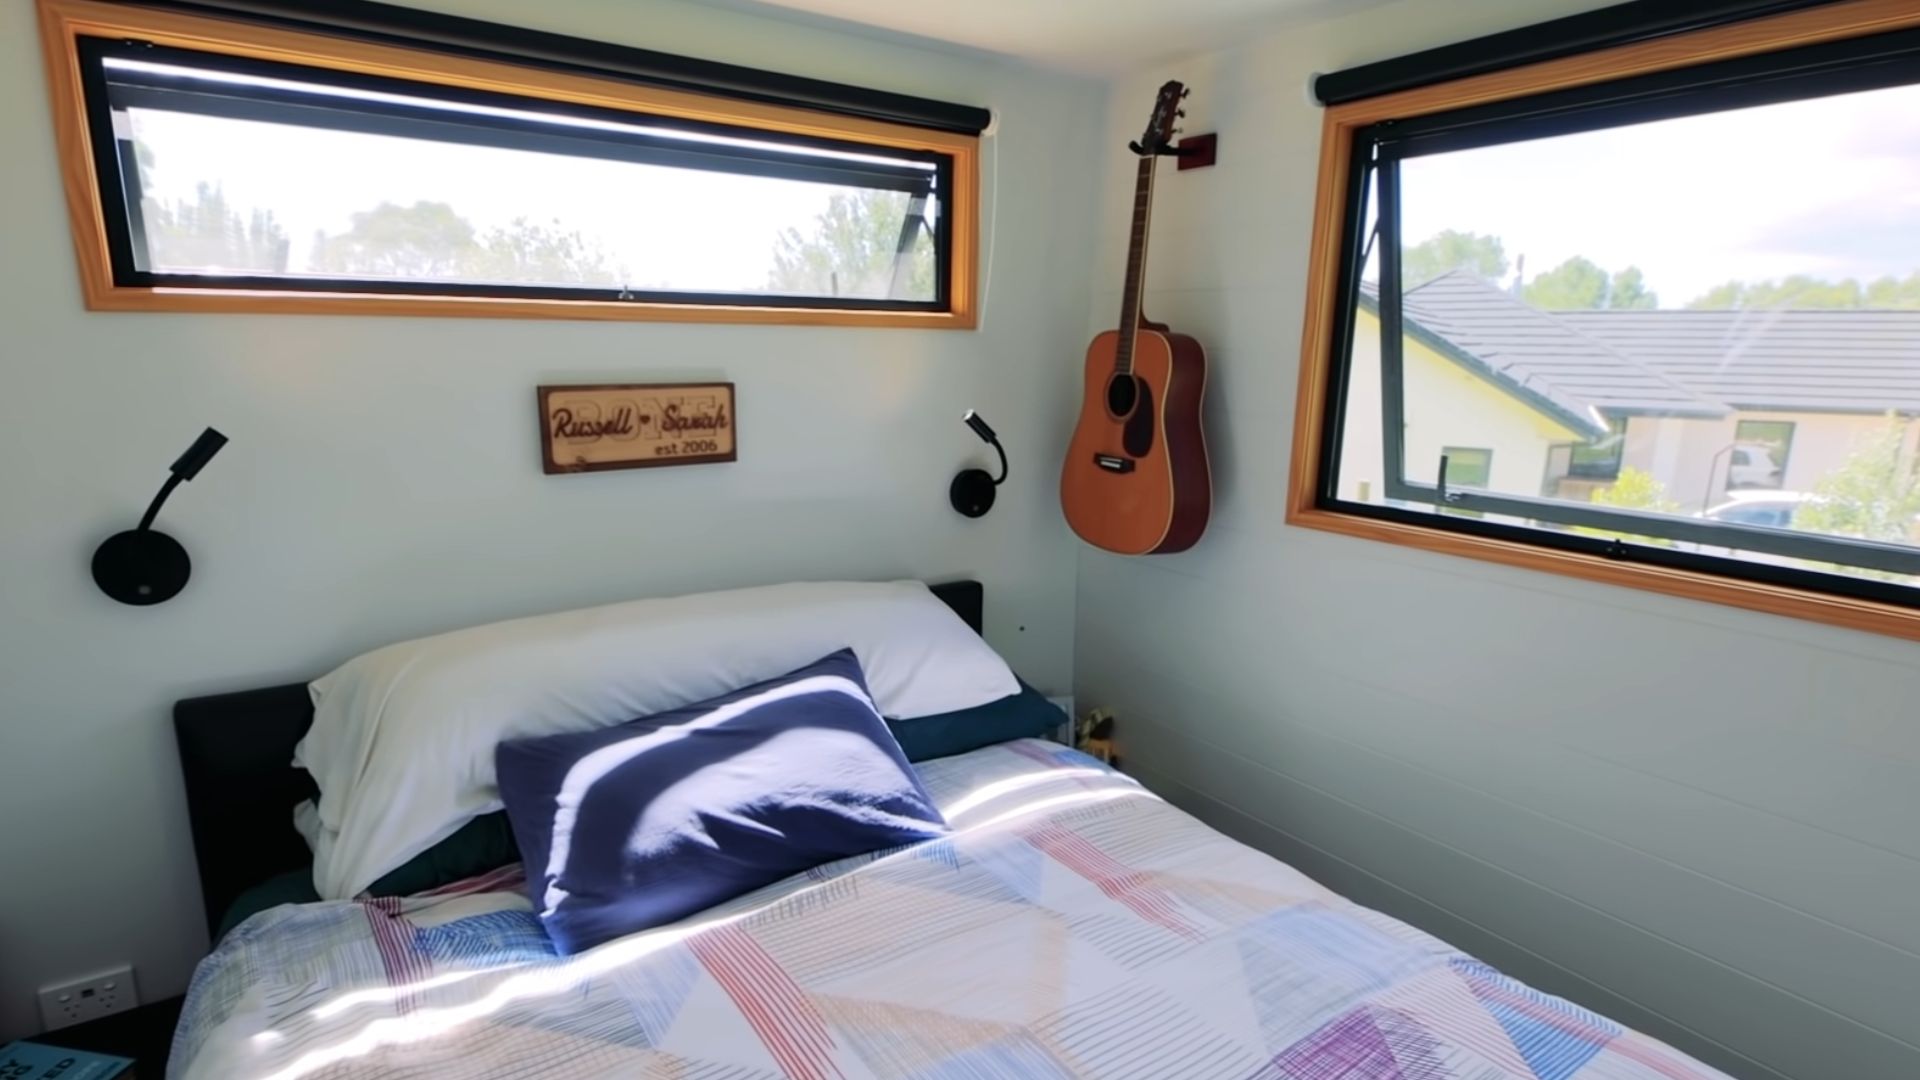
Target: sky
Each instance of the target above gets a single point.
(1828, 187)
(667, 227)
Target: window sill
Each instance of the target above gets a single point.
(1854, 614)
(123, 298)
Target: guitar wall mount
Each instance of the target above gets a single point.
(1198, 151)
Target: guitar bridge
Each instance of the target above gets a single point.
(1113, 463)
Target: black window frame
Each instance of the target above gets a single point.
(1850, 65)
(117, 172)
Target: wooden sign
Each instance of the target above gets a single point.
(590, 428)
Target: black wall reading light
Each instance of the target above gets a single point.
(147, 567)
(972, 490)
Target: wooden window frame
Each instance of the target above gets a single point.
(64, 22)
(1320, 344)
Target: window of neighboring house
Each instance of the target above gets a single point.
(235, 177)
(1600, 459)
(1468, 466)
(1758, 456)
(1515, 263)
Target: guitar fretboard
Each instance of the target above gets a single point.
(1136, 266)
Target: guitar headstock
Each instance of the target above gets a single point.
(1160, 126)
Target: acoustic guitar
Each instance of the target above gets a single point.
(1136, 479)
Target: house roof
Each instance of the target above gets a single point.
(1854, 361)
(1542, 350)
(1672, 362)
(1538, 394)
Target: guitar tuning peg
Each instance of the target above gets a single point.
(1184, 93)
(1180, 112)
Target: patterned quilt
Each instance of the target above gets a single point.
(1073, 926)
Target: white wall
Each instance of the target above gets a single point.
(384, 481)
(1700, 821)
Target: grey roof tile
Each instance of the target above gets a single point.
(1548, 353)
(1796, 361)
(1535, 392)
(1674, 362)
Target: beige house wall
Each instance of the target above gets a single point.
(1679, 453)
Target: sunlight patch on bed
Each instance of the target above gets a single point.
(381, 994)
(1083, 798)
(988, 792)
(543, 982)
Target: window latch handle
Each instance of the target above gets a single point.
(1440, 484)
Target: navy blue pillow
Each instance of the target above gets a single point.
(634, 826)
(1025, 715)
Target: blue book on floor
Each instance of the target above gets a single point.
(32, 1061)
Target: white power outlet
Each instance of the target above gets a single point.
(91, 998)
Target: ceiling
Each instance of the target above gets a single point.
(1095, 36)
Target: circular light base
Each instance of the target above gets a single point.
(141, 567)
(972, 492)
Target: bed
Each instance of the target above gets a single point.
(1072, 925)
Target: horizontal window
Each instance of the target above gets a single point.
(224, 175)
(1676, 316)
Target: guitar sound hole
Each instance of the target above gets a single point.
(1122, 394)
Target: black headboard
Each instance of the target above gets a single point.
(235, 754)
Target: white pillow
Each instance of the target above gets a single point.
(402, 741)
